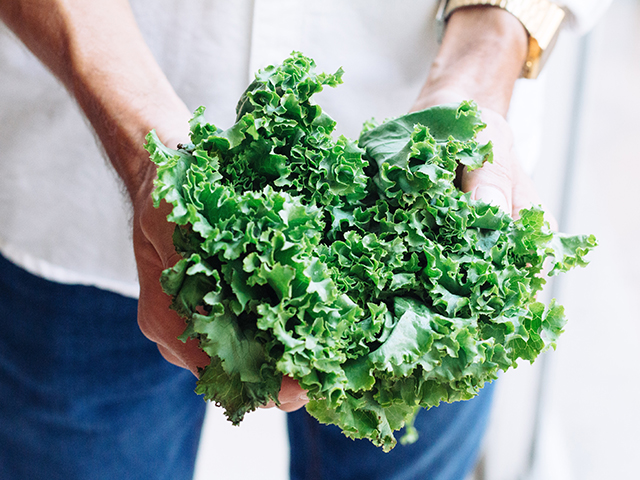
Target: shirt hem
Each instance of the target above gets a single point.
(56, 273)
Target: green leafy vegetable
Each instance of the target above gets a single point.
(358, 269)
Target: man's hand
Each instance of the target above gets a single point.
(504, 182)
(480, 59)
(154, 251)
(153, 244)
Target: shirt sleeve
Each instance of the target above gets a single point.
(584, 14)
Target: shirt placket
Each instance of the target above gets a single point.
(277, 30)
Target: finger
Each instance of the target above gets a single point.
(156, 319)
(293, 406)
(163, 326)
(159, 231)
(170, 357)
(491, 184)
(291, 396)
(526, 196)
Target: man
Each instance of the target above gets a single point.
(82, 396)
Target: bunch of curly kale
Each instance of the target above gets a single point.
(358, 269)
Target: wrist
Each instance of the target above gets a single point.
(482, 54)
(121, 121)
(122, 91)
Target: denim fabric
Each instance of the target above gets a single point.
(83, 394)
(447, 448)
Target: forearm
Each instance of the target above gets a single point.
(98, 53)
(482, 54)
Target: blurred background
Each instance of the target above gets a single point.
(573, 415)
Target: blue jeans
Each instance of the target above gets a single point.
(83, 394)
(447, 448)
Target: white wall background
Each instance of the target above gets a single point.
(589, 422)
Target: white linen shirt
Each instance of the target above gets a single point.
(63, 212)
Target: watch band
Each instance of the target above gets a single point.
(542, 19)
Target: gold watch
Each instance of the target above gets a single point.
(542, 19)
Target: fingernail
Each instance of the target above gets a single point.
(492, 195)
(303, 397)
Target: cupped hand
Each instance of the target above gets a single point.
(503, 182)
(154, 251)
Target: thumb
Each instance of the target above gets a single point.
(491, 184)
(492, 194)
